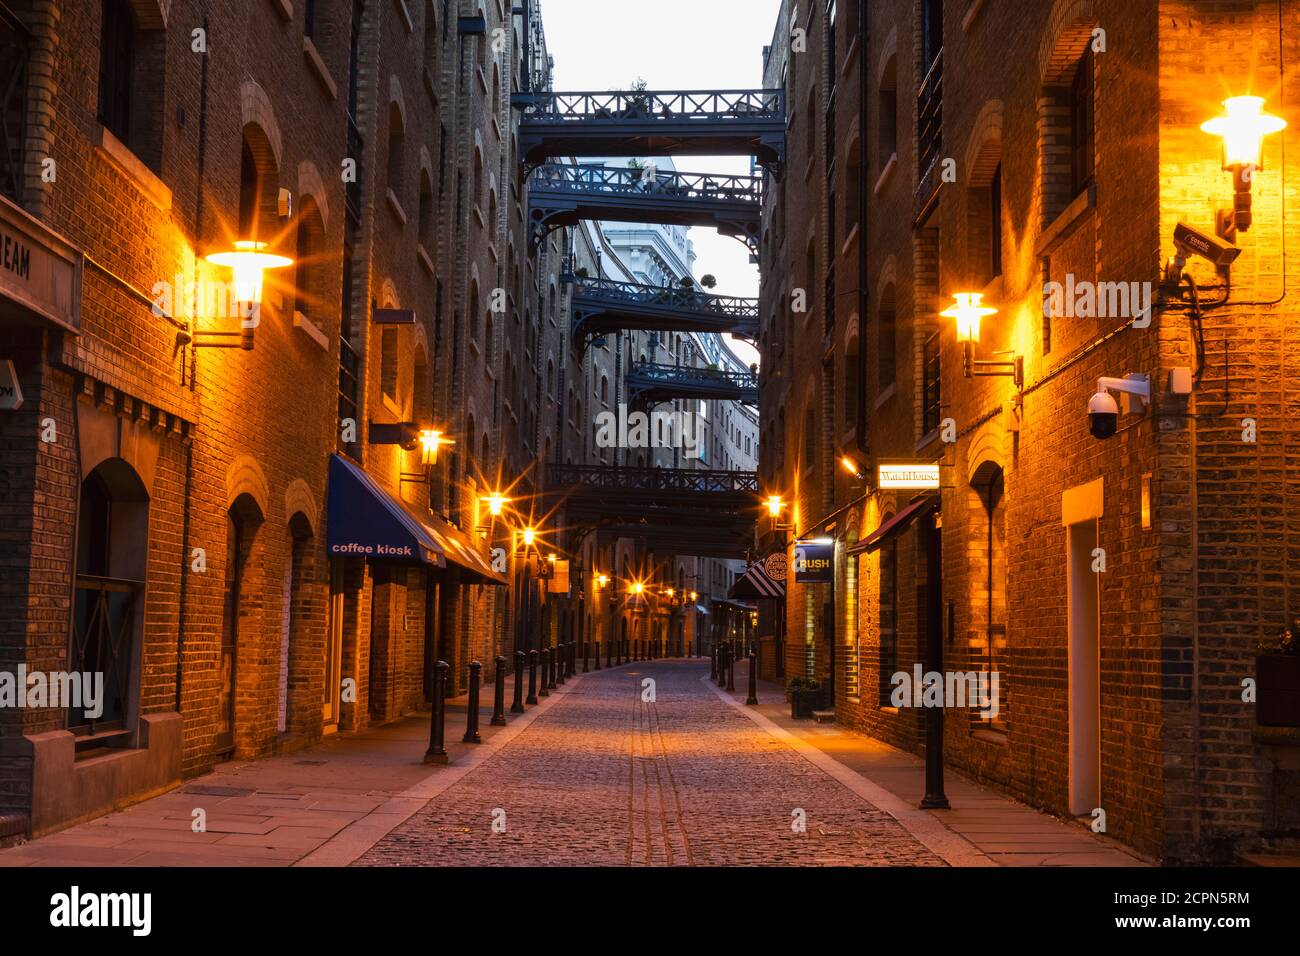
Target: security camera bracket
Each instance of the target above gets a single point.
(1134, 384)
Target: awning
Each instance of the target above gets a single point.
(366, 521)
(895, 525)
(756, 584)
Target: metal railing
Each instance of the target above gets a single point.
(660, 106)
(667, 297)
(929, 117)
(646, 182)
(652, 373)
(651, 479)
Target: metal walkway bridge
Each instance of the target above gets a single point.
(671, 510)
(605, 305)
(650, 383)
(560, 195)
(647, 123)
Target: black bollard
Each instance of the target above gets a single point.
(713, 662)
(561, 662)
(471, 711)
(597, 667)
(532, 676)
(722, 664)
(499, 693)
(731, 672)
(517, 706)
(609, 654)
(554, 666)
(437, 752)
(753, 679)
(545, 678)
(586, 657)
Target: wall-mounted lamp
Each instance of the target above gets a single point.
(528, 536)
(601, 581)
(495, 503)
(967, 310)
(1243, 126)
(430, 441)
(851, 466)
(248, 262)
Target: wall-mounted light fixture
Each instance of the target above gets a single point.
(1243, 124)
(967, 310)
(851, 466)
(495, 503)
(248, 262)
(430, 441)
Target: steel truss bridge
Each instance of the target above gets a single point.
(560, 195)
(652, 123)
(670, 510)
(606, 305)
(650, 383)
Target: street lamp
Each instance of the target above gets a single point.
(1243, 126)
(495, 503)
(248, 261)
(967, 310)
(430, 441)
(774, 506)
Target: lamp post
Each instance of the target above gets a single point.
(967, 310)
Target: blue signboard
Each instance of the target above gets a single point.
(814, 561)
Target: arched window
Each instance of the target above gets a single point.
(888, 129)
(425, 213)
(131, 79)
(295, 669)
(396, 152)
(310, 280)
(242, 594)
(988, 587)
(112, 544)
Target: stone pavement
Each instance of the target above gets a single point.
(1008, 833)
(595, 775)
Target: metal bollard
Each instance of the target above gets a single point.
(731, 672)
(753, 679)
(437, 752)
(554, 666)
(517, 705)
(499, 693)
(545, 679)
(713, 662)
(609, 653)
(597, 667)
(532, 676)
(561, 662)
(586, 657)
(471, 712)
(722, 664)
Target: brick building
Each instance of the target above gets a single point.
(1118, 587)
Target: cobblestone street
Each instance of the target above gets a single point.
(604, 778)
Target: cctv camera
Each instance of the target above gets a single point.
(1191, 241)
(1103, 415)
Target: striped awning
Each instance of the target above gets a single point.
(755, 584)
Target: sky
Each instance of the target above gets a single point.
(672, 45)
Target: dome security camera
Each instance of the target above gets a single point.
(1103, 410)
(1103, 415)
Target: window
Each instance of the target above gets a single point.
(852, 383)
(809, 438)
(887, 594)
(388, 362)
(112, 537)
(1082, 145)
(309, 279)
(396, 153)
(888, 112)
(887, 340)
(995, 222)
(116, 62)
(930, 397)
(424, 218)
(15, 48)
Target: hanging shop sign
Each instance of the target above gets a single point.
(40, 273)
(908, 477)
(775, 565)
(814, 561)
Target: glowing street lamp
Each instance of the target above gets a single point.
(494, 502)
(966, 311)
(774, 506)
(430, 441)
(851, 467)
(1243, 126)
(248, 262)
(694, 596)
(601, 581)
(637, 587)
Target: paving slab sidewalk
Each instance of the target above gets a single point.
(324, 805)
(1004, 831)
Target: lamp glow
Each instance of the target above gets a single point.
(967, 309)
(601, 581)
(248, 261)
(529, 535)
(637, 587)
(774, 505)
(430, 441)
(1243, 126)
(494, 503)
(694, 595)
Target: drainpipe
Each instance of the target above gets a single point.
(864, 298)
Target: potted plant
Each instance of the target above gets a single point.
(805, 695)
(1277, 679)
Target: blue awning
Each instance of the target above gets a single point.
(366, 521)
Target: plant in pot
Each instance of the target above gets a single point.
(805, 694)
(1277, 679)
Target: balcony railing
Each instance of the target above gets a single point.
(668, 297)
(622, 181)
(929, 117)
(15, 50)
(615, 477)
(650, 373)
(665, 106)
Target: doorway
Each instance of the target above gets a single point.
(1084, 668)
(334, 649)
